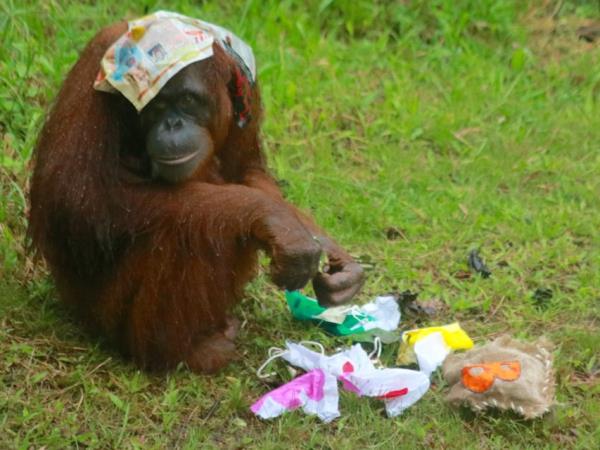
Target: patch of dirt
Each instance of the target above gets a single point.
(553, 36)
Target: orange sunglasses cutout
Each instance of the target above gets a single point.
(480, 377)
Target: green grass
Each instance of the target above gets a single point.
(460, 123)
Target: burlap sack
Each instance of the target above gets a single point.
(504, 374)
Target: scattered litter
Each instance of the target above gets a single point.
(505, 374)
(383, 313)
(477, 264)
(398, 388)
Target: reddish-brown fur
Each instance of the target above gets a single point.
(154, 267)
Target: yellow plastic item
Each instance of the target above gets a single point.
(454, 336)
(138, 32)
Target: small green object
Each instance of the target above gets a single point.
(303, 307)
(306, 308)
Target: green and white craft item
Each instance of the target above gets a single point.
(381, 314)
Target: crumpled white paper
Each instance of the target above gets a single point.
(386, 312)
(432, 345)
(431, 351)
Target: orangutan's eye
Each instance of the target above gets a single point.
(188, 104)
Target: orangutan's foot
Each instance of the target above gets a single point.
(232, 326)
(212, 353)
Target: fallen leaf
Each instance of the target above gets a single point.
(462, 275)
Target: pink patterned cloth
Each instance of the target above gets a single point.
(315, 392)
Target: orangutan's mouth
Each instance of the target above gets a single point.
(177, 160)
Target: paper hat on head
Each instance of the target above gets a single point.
(158, 46)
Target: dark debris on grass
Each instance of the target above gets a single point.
(476, 263)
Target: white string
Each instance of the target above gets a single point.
(359, 315)
(377, 348)
(276, 352)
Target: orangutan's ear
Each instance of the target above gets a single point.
(240, 91)
(240, 86)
